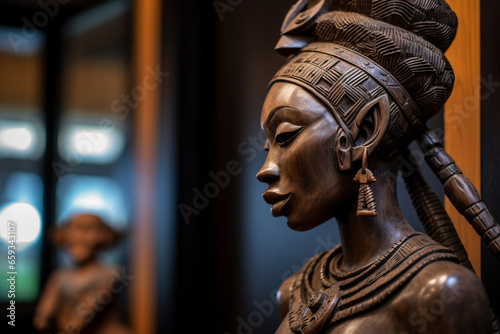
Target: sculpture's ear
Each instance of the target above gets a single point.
(110, 237)
(369, 128)
(344, 150)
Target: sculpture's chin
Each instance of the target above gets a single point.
(302, 225)
(296, 227)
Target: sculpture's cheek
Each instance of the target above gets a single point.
(308, 170)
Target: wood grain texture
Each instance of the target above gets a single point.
(463, 114)
(147, 53)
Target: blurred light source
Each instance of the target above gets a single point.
(16, 138)
(27, 221)
(92, 144)
(90, 194)
(90, 201)
(20, 140)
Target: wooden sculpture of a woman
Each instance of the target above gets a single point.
(361, 80)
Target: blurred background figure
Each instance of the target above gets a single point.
(63, 148)
(84, 298)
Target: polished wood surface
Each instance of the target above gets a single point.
(147, 49)
(360, 84)
(463, 112)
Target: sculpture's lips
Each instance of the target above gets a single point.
(272, 197)
(277, 200)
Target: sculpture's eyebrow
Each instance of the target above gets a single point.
(271, 115)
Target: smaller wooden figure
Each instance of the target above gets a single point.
(83, 299)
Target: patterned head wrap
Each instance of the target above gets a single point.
(349, 52)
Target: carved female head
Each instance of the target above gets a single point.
(358, 84)
(83, 236)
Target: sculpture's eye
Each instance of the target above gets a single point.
(286, 132)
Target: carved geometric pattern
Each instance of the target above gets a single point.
(363, 289)
(433, 20)
(340, 83)
(397, 127)
(345, 87)
(418, 65)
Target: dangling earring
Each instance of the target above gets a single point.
(366, 198)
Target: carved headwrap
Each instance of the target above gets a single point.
(349, 52)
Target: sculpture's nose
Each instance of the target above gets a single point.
(269, 172)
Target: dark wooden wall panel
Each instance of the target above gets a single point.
(490, 136)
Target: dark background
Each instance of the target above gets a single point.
(490, 137)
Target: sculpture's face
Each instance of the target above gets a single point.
(82, 238)
(305, 183)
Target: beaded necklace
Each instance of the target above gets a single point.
(346, 294)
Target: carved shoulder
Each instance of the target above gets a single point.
(445, 298)
(283, 296)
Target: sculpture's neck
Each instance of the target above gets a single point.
(364, 239)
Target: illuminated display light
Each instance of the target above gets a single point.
(90, 194)
(16, 138)
(91, 144)
(21, 140)
(27, 223)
